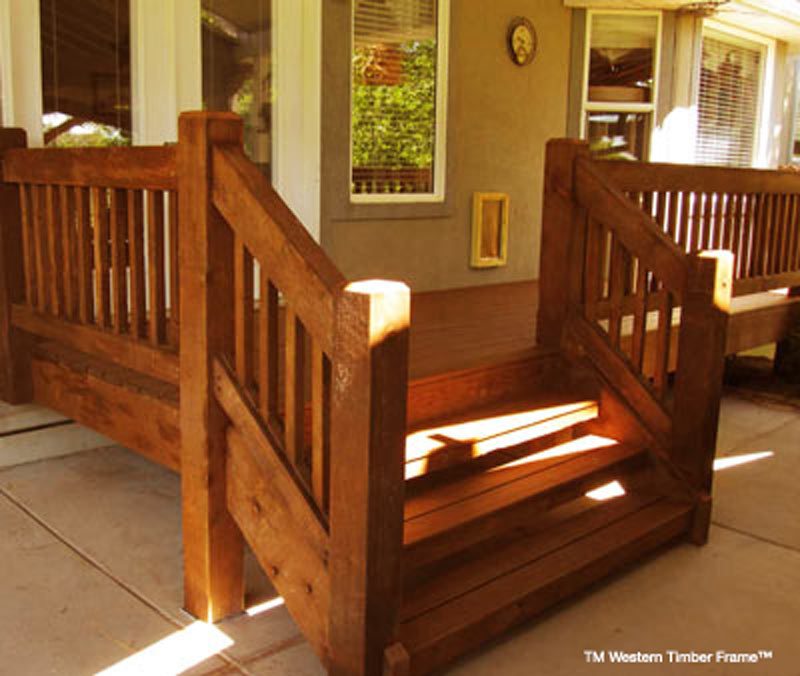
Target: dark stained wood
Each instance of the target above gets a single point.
(663, 345)
(119, 265)
(243, 313)
(138, 301)
(275, 512)
(103, 399)
(15, 279)
(480, 614)
(368, 427)
(155, 268)
(39, 247)
(53, 244)
(213, 545)
(68, 258)
(100, 215)
(559, 216)
(616, 371)
(84, 256)
(108, 167)
(294, 419)
(268, 348)
(27, 235)
(174, 264)
(320, 426)
(157, 363)
(274, 235)
(637, 231)
(701, 357)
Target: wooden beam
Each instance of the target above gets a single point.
(698, 381)
(141, 167)
(559, 234)
(213, 545)
(15, 376)
(368, 427)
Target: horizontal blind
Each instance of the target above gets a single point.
(394, 96)
(728, 101)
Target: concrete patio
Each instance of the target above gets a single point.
(91, 578)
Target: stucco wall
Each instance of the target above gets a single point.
(499, 119)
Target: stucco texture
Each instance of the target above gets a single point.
(499, 118)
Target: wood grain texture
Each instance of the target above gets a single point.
(213, 545)
(135, 167)
(15, 279)
(368, 427)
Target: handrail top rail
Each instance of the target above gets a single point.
(670, 177)
(275, 236)
(124, 167)
(637, 230)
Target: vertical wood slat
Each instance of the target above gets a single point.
(684, 224)
(29, 265)
(174, 276)
(101, 281)
(744, 265)
(118, 260)
(639, 318)
(592, 269)
(68, 251)
(736, 244)
(792, 263)
(155, 266)
(136, 246)
(674, 198)
(53, 249)
(38, 248)
(718, 233)
(15, 372)
(294, 422)
(84, 261)
(268, 348)
(320, 426)
(243, 313)
(697, 221)
(707, 230)
(662, 356)
(781, 242)
(616, 291)
(661, 210)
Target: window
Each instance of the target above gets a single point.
(620, 89)
(86, 75)
(398, 100)
(728, 102)
(237, 68)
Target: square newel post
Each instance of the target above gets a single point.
(213, 545)
(698, 381)
(368, 428)
(562, 240)
(15, 378)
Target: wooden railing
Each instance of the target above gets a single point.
(624, 277)
(378, 180)
(755, 214)
(308, 374)
(98, 233)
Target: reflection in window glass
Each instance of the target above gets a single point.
(394, 65)
(621, 58)
(237, 68)
(618, 135)
(86, 86)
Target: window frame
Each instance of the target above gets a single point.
(649, 107)
(766, 84)
(440, 146)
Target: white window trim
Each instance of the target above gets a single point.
(440, 147)
(612, 106)
(766, 83)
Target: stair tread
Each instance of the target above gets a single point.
(456, 503)
(500, 431)
(474, 600)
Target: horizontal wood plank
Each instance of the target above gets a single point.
(151, 167)
(155, 362)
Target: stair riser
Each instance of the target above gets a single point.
(449, 648)
(472, 533)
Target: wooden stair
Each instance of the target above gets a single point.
(499, 537)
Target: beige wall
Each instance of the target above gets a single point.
(500, 117)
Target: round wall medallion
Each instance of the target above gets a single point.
(521, 41)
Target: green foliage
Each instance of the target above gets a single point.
(394, 125)
(99, 136)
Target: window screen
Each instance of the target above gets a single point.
(394, 86)
(728, 101)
